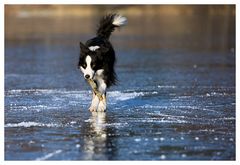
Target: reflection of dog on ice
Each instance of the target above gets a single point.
(95, 141)
(97, 59)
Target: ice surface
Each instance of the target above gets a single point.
(163, 107)
(170, 129)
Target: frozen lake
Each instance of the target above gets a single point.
(169, 104)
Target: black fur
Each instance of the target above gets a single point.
(106, 27)
(104, 57)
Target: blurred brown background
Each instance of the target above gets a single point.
(163, 26)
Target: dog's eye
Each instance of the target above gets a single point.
(84, 65)
(93, 65)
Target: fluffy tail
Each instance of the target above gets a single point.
(108, 24)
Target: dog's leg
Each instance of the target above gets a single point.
(102, 89)
(95, 102)
(102, 104)
(95, 88)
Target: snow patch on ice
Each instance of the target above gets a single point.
(169, 119)
(137, 140)
(49, 155)
(197, 138)
(163, 157)
(78, 145)
(192, 107)
(167, 86)
(122, 96)
(59, 94)
(31, 124)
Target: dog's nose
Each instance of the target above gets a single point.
(87, 76)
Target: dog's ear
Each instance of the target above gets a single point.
(83, 47)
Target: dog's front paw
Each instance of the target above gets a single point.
(102, 106)
(94, 104)
(93, 109)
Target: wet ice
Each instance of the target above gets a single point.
(169, 104)
(155, 124)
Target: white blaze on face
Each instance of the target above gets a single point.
(88, 70)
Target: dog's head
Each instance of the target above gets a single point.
(91, 59)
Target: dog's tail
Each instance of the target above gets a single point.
(109, 23)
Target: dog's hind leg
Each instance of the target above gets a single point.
(95, 103)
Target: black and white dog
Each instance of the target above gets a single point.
(97, 58)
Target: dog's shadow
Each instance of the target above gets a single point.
(98, 138)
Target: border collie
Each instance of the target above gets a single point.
(97, 58)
